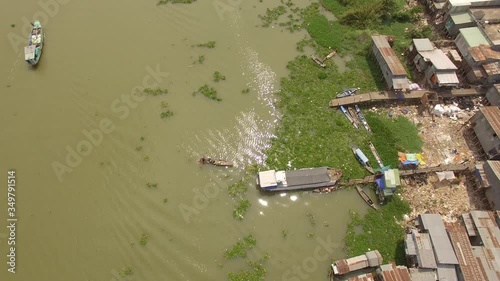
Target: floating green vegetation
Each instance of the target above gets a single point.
(312, 219)
(381, 230)
(326, 224)
(238, 188)
(165, 200)
(138, 148)
(272, 15)
(144, 239)
(166, 114)
(142, 138)
(163, 2)
(208, 92)
(257, 271)
(284, 233)
(125, 271)
(209, 44)
(201, 59)
(218, 76)
(151, 185)
(146, 157)
(13, 25)
(241, 209)
(240, 248)
(155, 92)
(310, 234)
(245, 91)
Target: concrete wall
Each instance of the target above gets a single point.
(493, 95)
(383, 66)
(485, 133)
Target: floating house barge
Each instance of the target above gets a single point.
(370, 259)
(301, 179)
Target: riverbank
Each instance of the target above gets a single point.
(312, 135)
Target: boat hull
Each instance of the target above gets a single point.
(33, 52)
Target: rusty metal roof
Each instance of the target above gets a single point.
(492, 68)
(388, 54)
(484, 52)
(492, 115)
(391, 272)
(495, 167)
(362, 277)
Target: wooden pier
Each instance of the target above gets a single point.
(413, 95)
(406, 173)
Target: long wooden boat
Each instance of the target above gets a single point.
(375, 154)
(348, 116)
(215, 162)
(362, 159)
(33, 51)
(318, 61)
(353, 115)
(365, 197)
(362, 119)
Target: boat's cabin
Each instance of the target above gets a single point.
(361, 157)
(30, 54)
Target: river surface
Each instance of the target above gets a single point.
(84, 145)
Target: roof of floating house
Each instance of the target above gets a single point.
(473, 36)
(442, 246)
(307, 176)
(430, 53)
(388, 55)
(391, 178)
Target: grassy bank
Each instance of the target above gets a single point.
(312, 135)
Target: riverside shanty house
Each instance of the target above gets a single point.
(490, 179)
(430, 250)
(301, 179)
(438, 70)
(369, 259)
(493, 95)
(393, 71)
(386, 272)
(486, 126)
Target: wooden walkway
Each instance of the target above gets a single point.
(405, 173)
(413, 95)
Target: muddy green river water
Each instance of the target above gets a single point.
(84, 145)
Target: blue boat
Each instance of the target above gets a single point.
(362, 159)
(362, 119)
(348, 116)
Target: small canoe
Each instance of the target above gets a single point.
(365, 197)
(215, 162)
(318, 61)
(347, 92)
(353, 115)
(330, 55)
(348, 116)
(33, 51)
(362, 119)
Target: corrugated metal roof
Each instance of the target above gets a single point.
(423, 44)
(418, 274)
(447, 78)
(495, 166)
(447, 272)
(462, 18)
(267, 178)
(400, 83)
(455, 55)
(473, 36)
(439, 59)
(483, 52)
(307, 176)
(492, 115)
(391, 272)
(468, 263)
(388, 55)
(410, 246)
(492, 68)
(440, 241)
(425, 254)
(362, 277)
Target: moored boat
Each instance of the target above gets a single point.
(365, 197)
(331, 55)
(318, 61)
(362, 119)
(33, 51)
(362, 159)
(348, 116)
(347, 92)
(322, 179)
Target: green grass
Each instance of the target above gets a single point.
(209, 44)
(155, 92)
(240, 248)
(256, 272)
(208, 92)
(218, 76)
(380, 231)
(241, 209)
